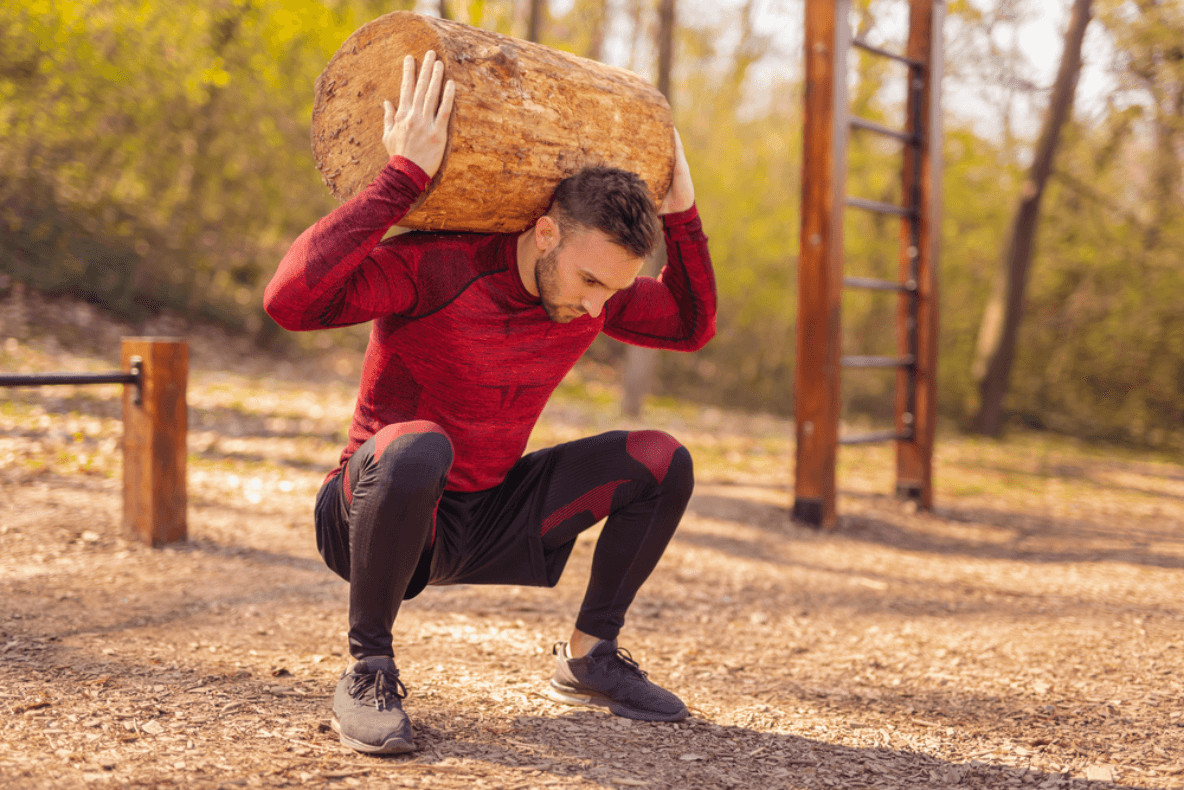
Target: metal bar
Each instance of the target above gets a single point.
(46, 379)
(877, 436)
(872, 284)
(872, 126)
(882, 208)
(877, 362)
(872, 48)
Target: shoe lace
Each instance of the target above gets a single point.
(626, 658)
(385, 686)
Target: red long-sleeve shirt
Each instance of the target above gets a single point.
(457, 339)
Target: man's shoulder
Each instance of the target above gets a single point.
(439, 252)
(444, 265)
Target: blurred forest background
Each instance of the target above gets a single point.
(155, 156)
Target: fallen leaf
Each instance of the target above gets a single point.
(31, 706)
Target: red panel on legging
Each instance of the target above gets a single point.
(598, 501)
(390, 432)
(654, 450)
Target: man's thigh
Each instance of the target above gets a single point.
(506, 535)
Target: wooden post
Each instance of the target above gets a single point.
(155, 422)
(820, 268)
(914, 459)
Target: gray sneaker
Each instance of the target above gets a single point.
(368, 708)
(608, 677)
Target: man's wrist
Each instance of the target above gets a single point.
(417, 174)
(681, 217)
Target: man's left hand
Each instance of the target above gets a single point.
(681, 195)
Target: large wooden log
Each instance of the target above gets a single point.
(525, 117)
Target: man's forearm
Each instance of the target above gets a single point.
(677, 310)
(689, 276)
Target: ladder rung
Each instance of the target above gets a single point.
(871, 126)
(872, 48)
(882, 208)
(873, 284)
(877, 436)
(878, 362)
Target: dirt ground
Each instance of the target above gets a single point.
(1029, 633)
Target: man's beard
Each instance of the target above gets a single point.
(546, 280)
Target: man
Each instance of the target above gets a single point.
(471, 334)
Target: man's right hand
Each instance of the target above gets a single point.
(418, 129)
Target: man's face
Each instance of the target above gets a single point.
(580, 274)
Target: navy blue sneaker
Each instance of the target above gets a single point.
(368, 708)
(608, 677)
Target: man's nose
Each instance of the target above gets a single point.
(592, 305)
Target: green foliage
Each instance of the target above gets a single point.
(1103, 340)
(747, 175)
(1102, 345)
(156, 155)
(154, 152)
(980, 185)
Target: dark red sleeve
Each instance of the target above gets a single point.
(677, 310)
(335, 273)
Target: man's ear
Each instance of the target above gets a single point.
(546, 234)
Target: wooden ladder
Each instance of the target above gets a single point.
(820, 274)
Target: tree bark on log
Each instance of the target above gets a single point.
(525, 117)
(995, 350)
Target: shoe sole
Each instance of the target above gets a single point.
(392, 745)
(591, 699)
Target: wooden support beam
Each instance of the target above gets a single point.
(155, 424)
(820, 269)
(916, 411)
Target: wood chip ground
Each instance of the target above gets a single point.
(1028, 633)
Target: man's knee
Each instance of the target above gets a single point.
(415, 457)
(664, 457)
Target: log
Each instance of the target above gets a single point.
(525, 117)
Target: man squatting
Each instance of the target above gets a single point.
(471, 334)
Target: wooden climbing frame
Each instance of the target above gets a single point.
(820, 358)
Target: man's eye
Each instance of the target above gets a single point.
(589, 281)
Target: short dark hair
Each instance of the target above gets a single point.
(610, 200)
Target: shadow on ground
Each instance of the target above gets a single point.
(1076, 540)
(698, 753)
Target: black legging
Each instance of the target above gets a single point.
(386, 524)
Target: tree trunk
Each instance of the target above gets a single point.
(640, 362)
(534, 23)
(597, 22)
(995, 351)
(525, 117)
(1165, 164)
